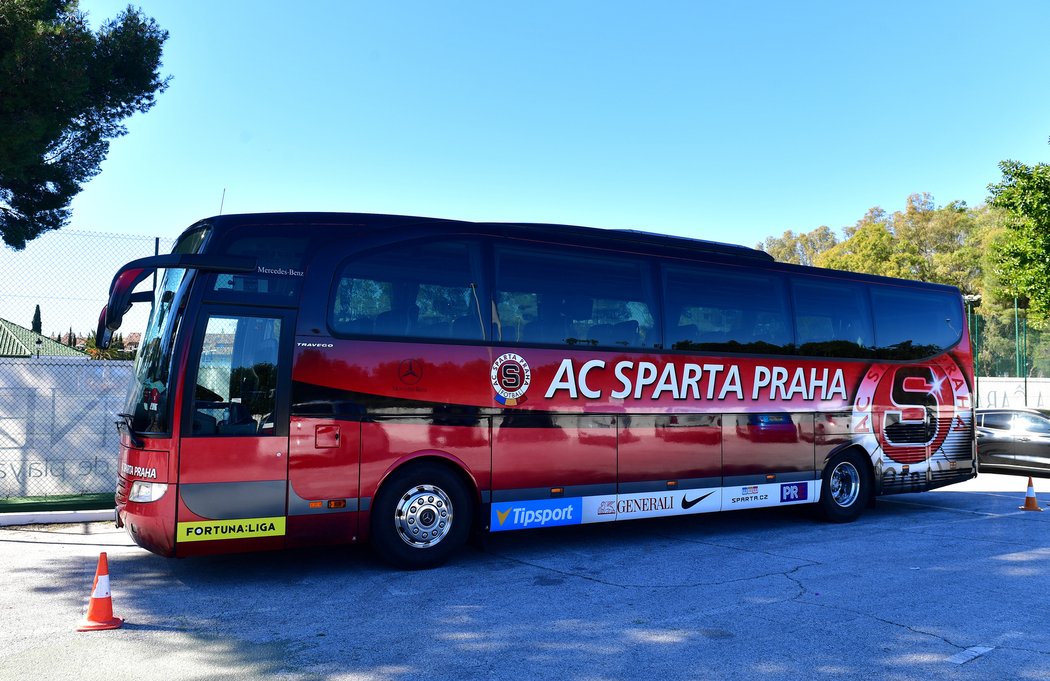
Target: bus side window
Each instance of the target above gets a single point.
(422, 290)
(236, 377)
(574, 297)
(833, 318)
(912, 324)
(714, 308)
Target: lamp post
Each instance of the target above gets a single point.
(972, 321)
(1021, 342)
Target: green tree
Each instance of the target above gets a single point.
(871, 247)
(942, 245)
(37, 324)
(92, 349)
(948, 241)
(64, 92)
(1020, 255)
(802, 248)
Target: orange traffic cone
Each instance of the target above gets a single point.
(1030, 502)
(100, 607)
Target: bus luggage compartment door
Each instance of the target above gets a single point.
(323, 479)
(768, 459)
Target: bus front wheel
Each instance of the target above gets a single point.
(421, 515)
(845, 488)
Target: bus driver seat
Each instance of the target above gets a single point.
(238, 420)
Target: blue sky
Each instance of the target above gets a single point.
(730, 121)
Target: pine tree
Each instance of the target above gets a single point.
(65, 91)
(37, 325)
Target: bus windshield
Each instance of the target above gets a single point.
(148, 401)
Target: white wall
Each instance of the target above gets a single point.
(57, 433)
(1013, 392)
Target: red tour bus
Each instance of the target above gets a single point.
(331, 378)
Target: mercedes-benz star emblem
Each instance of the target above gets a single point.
(410, 371)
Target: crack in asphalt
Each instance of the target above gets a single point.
(792, 575)
(830, 606)
(776, 573)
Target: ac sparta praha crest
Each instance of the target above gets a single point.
(511, 377)
(909, 411)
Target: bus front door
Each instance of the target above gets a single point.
(233, 461)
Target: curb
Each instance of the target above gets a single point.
(50, 517)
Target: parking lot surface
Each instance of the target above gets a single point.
(950, 584)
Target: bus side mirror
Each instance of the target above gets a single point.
(103, 335)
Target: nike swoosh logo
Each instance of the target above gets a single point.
(686, 503)
(503, 516)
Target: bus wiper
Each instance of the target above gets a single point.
(124, 424)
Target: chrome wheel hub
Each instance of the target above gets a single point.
(423, 516)
(845, 484)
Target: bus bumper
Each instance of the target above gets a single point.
(150, 525)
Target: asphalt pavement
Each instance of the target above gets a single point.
(950, 584)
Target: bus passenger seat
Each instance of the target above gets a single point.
(238, 421)
(203, 424)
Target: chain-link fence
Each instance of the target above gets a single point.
(58, 443)
(1011, 360)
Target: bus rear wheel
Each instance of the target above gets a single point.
(421, 516)
(845, 489)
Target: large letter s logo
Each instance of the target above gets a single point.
(510, 376)
(910, 422)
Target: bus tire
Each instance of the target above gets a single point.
(845, 488)
(421, 515)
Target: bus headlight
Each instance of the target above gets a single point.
(145, 492)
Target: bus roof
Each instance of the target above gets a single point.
(379, 221)
(650, 242)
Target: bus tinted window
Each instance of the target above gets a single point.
(237, 377)
(911, 324)
(573, 298)
(717, 308)
(279, 266)
(428, 290)
(832, 318)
